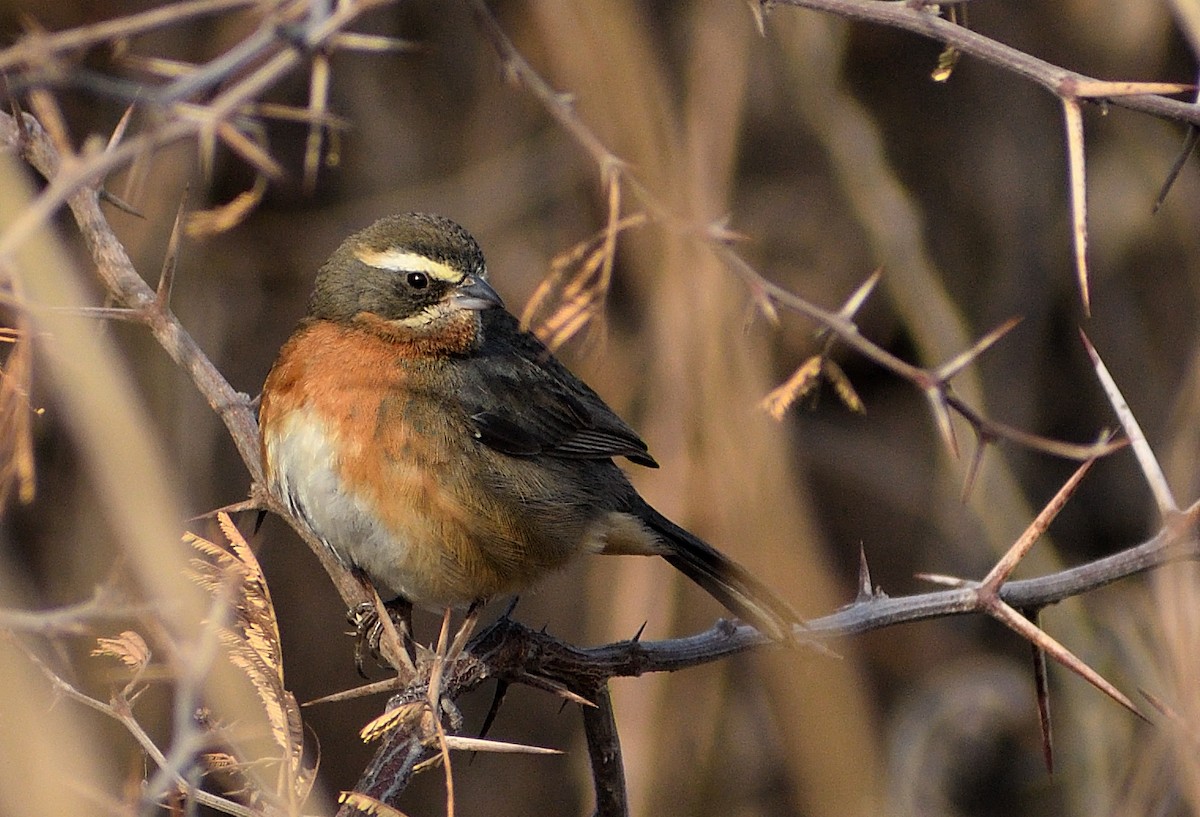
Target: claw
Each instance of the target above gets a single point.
(368, 631)
(365, 621)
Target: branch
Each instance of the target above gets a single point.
(142, 304)
(1069, 87)
(513, 653)
(614, 172)
(921, 18)
(74, 619)
(604, 751)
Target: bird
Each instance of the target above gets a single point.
(444, 452)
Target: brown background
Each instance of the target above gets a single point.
(828, 146)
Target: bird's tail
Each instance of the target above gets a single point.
(725, 580)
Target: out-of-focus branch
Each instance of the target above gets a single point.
(935, 384)
(131, 292)
(280, 46)
(141, 303)
(923, 18)
(1070, 87)
(36, 47)
(73, 619)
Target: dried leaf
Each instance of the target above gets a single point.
(252, 641)
(368, 805)
(129, 648)
(575, 290)
(946, 62)
(802, 381)
(220, 761)
(842, 386)
(379, 726)
(948, 59)
(203, 223)
(805, 379)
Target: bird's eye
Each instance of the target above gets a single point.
(417, 280)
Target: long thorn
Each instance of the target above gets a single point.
(1073, 117)
(1000, 573)
(1151, 470)
(1036, 635)
(166, 279)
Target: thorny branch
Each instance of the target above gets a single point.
(141, 303)
(923, 19)
(513, 653)
(935, 384)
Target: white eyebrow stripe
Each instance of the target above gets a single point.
(398, 260)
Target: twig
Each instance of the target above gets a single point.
(604, 750)
(33, 48)
(72, 619)
(120, 710)
(922, 19)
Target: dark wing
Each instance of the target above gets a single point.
(524, 403)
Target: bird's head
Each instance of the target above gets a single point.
(412, 275)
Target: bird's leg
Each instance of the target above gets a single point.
(364, 618)
(400, 610)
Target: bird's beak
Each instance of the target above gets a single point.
(475, 293)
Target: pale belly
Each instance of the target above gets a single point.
(306, 475)
(428, 545)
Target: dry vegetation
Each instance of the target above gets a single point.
(689, 197)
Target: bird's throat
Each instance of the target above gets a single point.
(452, 332)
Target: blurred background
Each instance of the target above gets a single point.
(831, 151)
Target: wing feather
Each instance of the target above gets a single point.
(524, 402)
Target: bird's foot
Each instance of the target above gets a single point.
(369, 630)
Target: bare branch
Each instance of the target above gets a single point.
(512, 652)
(604, 750)
(33, 47)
